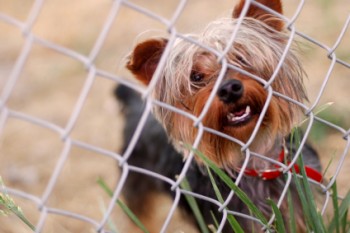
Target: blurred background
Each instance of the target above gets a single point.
(50, 83)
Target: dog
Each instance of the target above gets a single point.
(242, 108)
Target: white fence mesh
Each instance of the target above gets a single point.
(57, 124)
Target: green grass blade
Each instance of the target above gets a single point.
(335, 207)
(104, 186)
(194, 207)
(321, 221)
(315, 221)
(344, 222)
(216, 223)
(212, 228)
(343, 210)
(238, 192)
(230, 218)
(216, 188)
(110, 223)
(292, 223)
(279, 219)
(303, 201)
(344, 207)
(132, 216)
(124, 207)
(317, 224)
(300, 191)
(328, 165)
(318, 110)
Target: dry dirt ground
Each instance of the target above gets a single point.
(50, 83)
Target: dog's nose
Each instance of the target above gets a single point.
(230, 91)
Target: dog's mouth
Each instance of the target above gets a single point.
(239, 116)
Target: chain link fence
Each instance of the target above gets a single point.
(58, 125)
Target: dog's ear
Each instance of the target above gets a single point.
(144, 59)
(260, 14)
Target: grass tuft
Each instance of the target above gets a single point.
(8, 207)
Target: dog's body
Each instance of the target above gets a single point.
(154, 152)
(187, 80)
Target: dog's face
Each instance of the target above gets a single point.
(191, 73)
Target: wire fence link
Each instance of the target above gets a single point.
(95, 73)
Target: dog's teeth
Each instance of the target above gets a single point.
(230, 116)
(247, 110)
(233, 118)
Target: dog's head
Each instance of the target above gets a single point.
(240, 71)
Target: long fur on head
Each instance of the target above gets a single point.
(257, 48)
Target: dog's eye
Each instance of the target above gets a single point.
(241, 60)
(196, 76)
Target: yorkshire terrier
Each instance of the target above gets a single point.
(252, 105)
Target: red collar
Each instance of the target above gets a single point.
(270, 174)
